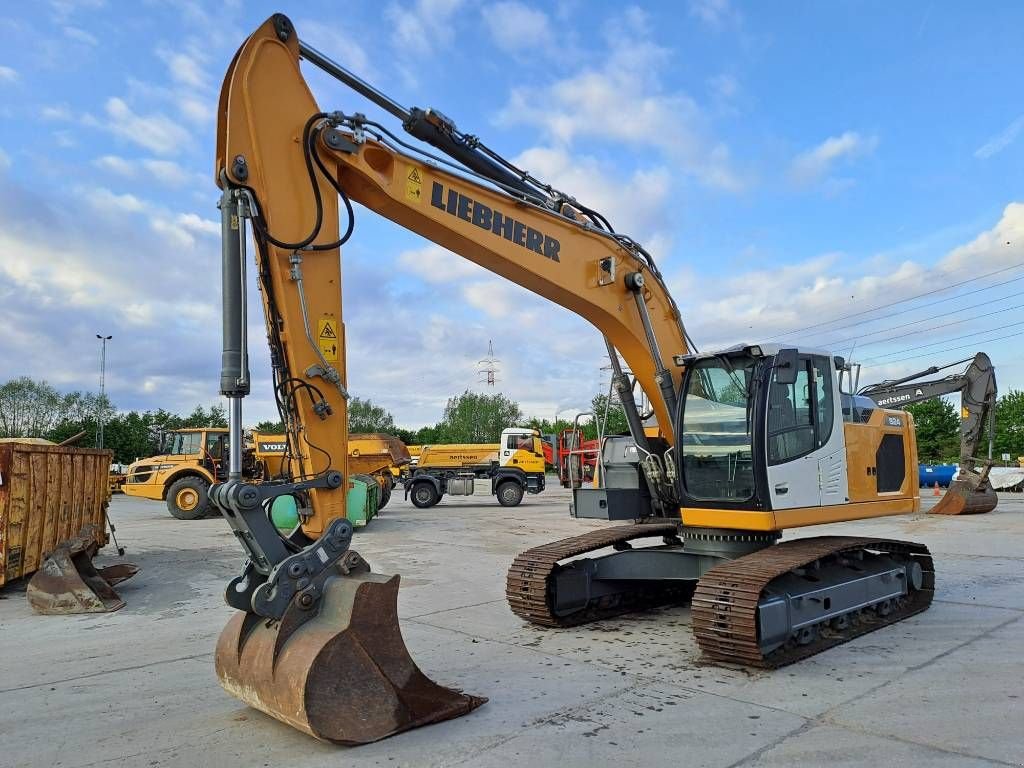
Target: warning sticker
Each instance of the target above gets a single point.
(327, 338)
(414, 184)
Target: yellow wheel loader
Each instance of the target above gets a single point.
(753, 440)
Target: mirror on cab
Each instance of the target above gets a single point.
(785, 366)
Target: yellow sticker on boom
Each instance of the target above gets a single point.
(327, 338)
(414, 184)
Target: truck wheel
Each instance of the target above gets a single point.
(186, 498)
(424, 495)
(509, 493)
(385, 494)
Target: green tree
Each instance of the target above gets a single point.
(616, 423)
(270, 427)
(937, 425)
(215, 416)
(364, 416)
(548, 427)
(427, 436)
(1010, 425)
(477, 418)
(28, 408)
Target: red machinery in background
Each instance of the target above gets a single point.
(574, 458)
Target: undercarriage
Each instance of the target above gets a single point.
(754, 602)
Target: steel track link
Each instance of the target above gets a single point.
(526, 588)
(725, 602)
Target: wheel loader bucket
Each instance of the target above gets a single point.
(970, 493)
(343, 674)
(68, 582)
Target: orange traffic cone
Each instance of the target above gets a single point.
(936, 491)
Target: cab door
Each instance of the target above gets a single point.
(803, 436)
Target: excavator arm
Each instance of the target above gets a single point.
(285, 168)
(977, 389)
(271, 133)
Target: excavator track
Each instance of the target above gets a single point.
(528, 578)
(725, 602)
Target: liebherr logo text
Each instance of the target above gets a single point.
(500, 224)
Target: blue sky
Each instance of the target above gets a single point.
(786, 164)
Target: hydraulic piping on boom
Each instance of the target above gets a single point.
(971, 492)
(752, 439)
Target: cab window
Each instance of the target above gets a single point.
(213, 445)
(822, 369)
(186, 443)
(520, 442)
(800, 414)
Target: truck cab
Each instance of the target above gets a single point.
(514, 466)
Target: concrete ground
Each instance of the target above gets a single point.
(137, 687)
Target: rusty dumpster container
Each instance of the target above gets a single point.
(48, 494)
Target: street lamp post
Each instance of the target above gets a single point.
(103, 381)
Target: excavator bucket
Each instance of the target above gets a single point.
(342, 674)
(69, 582)
(970, 493)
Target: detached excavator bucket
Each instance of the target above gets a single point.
(343, 674)
(970, 493)
(68, 582)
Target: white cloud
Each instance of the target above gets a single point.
(723, 87)
(634, 204)
(626, 86)
(335, 42)
(997, 144)
(156, 132)
(421, 26)
(185, 67)
(65, 139)
(438, 265)
(64, 9)
(713, 12)
(195, 110)
(8, 74)
(746, 307)
(80, 35)
(814, 164)
(1001, 246)
(106, 202)
(116, 165)
(5, 160)
(196, 223)
(58, 112)
(166, 172)
(517, 28)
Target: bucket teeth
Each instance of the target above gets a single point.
(340, 672)
(68, 582)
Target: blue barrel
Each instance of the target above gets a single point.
(930, 474)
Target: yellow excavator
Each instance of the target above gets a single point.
(752, 440)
